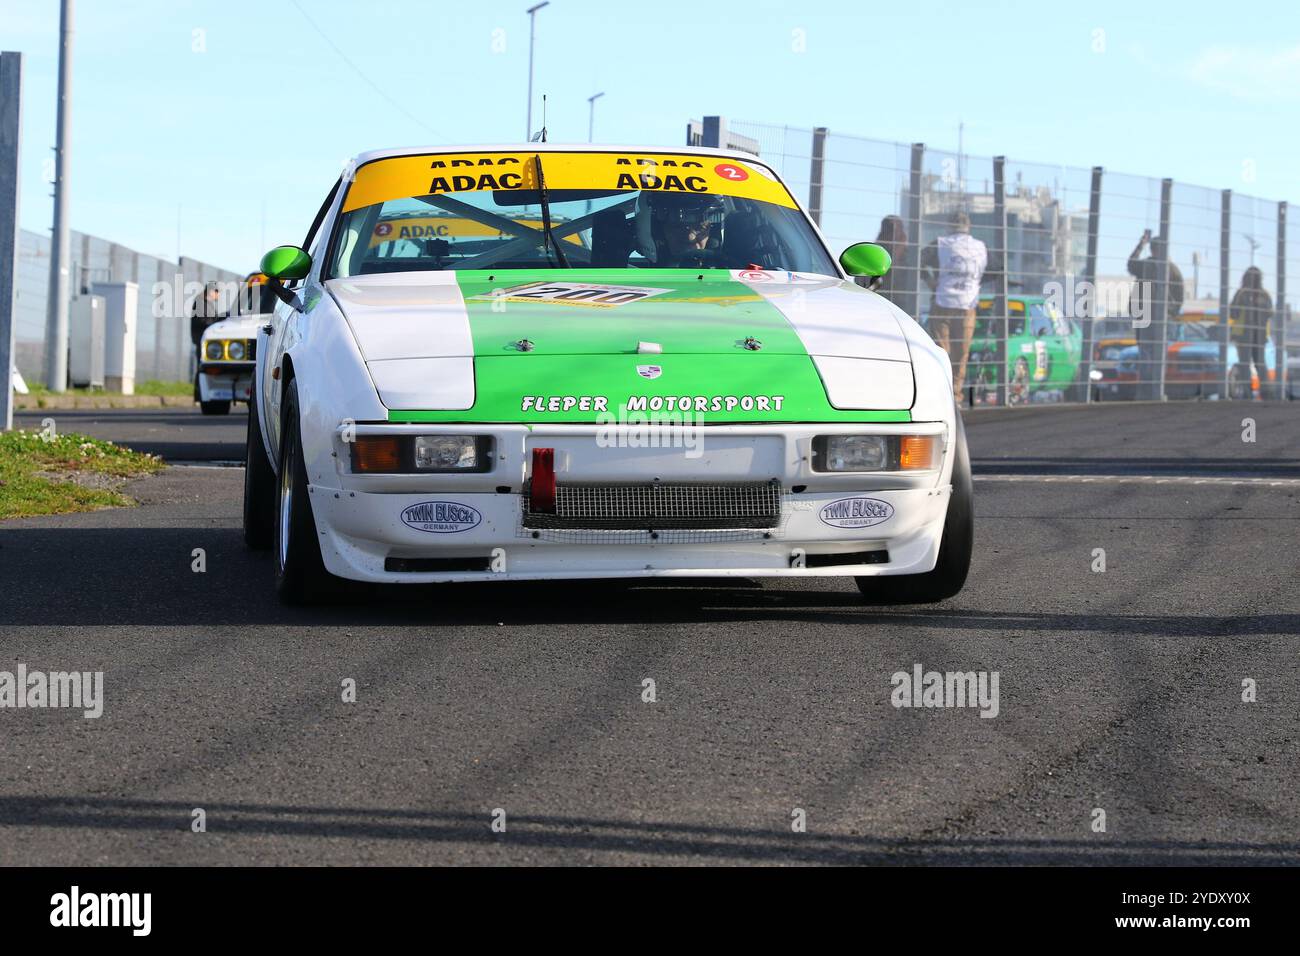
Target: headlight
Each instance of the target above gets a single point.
(446, 452)
(876, 452)
(409, 454)
(213, 350)
(854, 453)
(235, 351)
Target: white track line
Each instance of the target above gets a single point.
(1142, 480)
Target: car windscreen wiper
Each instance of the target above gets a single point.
(548, 237)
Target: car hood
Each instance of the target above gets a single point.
(237, 327)
(483, 342)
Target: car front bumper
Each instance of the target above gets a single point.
(367, 533)
(225, 381)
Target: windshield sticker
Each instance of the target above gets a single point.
(448, 227)
(401, 177)
(593, 295)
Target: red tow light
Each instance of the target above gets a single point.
(541, 490)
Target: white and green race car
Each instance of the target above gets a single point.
(512, 363)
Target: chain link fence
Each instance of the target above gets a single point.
(166, 289)
(1093, 285)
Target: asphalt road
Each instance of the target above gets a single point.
(1119, 691)
(177, 434)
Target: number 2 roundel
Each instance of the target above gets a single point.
(731, 172)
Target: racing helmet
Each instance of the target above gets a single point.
(693, 208)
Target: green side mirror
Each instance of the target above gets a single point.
(865, 259)
(286, 263)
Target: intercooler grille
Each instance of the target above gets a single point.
(656, 505)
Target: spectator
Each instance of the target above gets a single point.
(205, 311)
(1145, 302)
(893, 236)
(953, 267)
(1250, 313)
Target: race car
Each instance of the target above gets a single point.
(1042, 354)
(649, 365)
(1194, 363)
(228, 348)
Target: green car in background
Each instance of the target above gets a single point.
(1043, 357)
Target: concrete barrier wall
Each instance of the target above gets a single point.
(163, 349)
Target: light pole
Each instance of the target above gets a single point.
(591, 116)
(532, 20)
(56, 319)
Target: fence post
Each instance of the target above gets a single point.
(999, 316)
(1225, 263)
(11, 88)
(1156, 389)
(1090, 276)
(815, 174)
(1279, 314)
(913, 255)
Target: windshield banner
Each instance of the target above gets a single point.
(400, 177)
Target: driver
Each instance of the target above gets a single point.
(687, 229)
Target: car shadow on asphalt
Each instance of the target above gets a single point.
(587, 837)
(144, 576)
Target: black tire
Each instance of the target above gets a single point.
(259, 485)
(215, 408)
(1239, 384)
(949, 574)
(1077, 390)
(300, 575)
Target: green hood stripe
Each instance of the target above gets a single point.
(579, 358)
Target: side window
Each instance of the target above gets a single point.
(1015, 318)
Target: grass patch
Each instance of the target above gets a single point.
(66, 473)
(151, 387)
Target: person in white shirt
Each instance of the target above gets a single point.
(953, 267)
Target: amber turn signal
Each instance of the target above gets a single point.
(917, 452)
(371, 453)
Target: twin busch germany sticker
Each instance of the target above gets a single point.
(856, 513)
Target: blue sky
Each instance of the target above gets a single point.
(229, 120)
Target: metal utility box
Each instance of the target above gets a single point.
(121, 305)
(86, 332)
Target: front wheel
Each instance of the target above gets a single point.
(259, 484)
(949, 574)
(300, 575)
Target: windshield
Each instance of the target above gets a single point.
(606, 211)
(257, 298)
